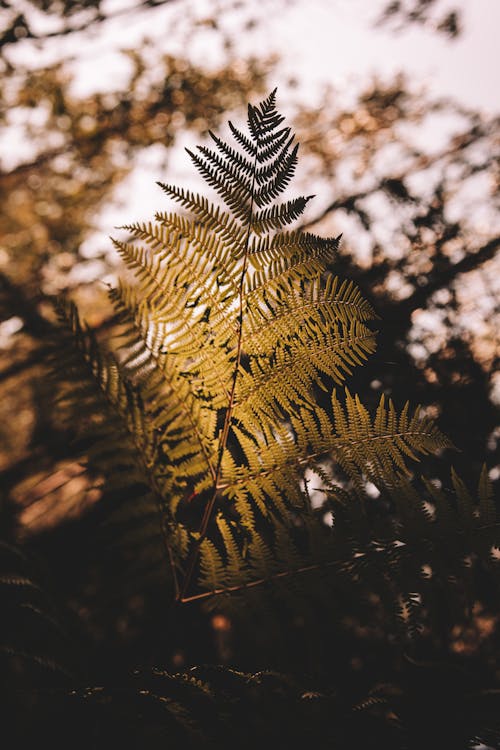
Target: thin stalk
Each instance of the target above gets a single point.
(259, 581)
(210, 506)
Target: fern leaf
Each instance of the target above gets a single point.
(232, 321)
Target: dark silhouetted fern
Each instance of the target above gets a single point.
(36, 649)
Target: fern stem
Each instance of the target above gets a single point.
(210, 507)
(258, 581)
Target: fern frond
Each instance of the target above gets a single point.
(277, 384)
(380, 449)
(246, 143)
(279, 178)
(264, 118)
(231, 322)
(234, 156)
(487, 508)
(211, 216)
(277, 217)
(237, 194)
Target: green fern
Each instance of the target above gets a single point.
(231, 323)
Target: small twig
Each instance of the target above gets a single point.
(258, 582)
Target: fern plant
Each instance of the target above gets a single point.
(233, 323)
(217, 403)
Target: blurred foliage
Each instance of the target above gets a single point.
(63, 17)
(428, 13)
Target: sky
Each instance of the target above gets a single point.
(319, 43)
(336, 41)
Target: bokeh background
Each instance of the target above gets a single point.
(396, 108)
